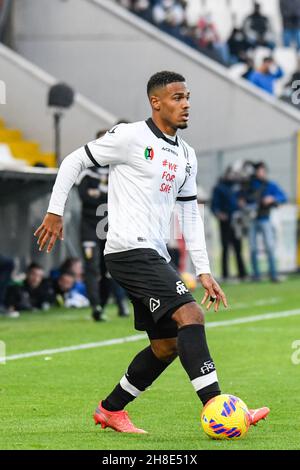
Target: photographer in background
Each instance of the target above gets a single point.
(224, 206)
(262, 195)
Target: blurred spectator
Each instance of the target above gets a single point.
(125, 3)
(290, 12)
(224, 205)
(93, 188)
(142, 8)
(6, 269)
(169, 15)
(60, 291)
(262, 195)
(250, 69)
(257, 29)
(74, 265)
(238, 46)
(267, 75)
(209, 38)
(30, 294)
(5, 9)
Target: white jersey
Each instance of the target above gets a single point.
(148, 173)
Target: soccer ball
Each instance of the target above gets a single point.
(225, 417)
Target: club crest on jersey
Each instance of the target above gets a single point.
(188, 169)
(149, 153)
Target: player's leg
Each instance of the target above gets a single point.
(120, 297)
(253, 232)
(195, 357)
(92, 277)
(105, 284)
(237, 246)
(269, 242)
(144, 369)
(224, 234)
(194, 353)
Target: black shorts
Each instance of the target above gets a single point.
(154, 288)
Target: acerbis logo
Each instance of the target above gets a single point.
(154, 304)
(149, 153)
(166, 149)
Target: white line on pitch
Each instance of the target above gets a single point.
(258, 303)
(130, 339)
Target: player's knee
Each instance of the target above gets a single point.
(189, 314)
(165, 351)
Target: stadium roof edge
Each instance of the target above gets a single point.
(197, 57)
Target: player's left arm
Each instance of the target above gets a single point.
(111, 149)
(192, 228)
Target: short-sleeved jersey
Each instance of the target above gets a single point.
(148, 172)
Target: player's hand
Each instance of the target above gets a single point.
(49, 231)
(222, 216)
(268, 200)
(213, 292)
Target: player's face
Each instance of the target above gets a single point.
(174, 105)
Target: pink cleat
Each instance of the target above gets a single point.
(257, 415)
(117, 420)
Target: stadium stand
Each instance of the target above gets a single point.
(13, 142)
(224, 16)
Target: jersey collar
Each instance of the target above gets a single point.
(159, 134)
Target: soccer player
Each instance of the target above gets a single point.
(151, 169)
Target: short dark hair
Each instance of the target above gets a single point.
(122, 121)
(101, 133)
(259, 165)
(162, 79)
(66, 272)
(33, 266)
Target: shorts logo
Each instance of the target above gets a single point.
(149, 153)
(154, 304)
(181, 289)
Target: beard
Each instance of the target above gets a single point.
(184, 125)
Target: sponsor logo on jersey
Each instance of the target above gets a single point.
(154, 304)
(149, 153)
(166, 149)
(180, 288)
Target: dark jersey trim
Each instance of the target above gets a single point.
(186, 199)
(159, 134)
(88, 152)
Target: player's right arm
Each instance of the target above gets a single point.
(109, 149)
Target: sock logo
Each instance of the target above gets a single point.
(207, 367)
(154, 304)
(181, 289)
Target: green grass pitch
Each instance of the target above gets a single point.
(46, 402)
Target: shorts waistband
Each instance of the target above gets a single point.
(130, 253)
